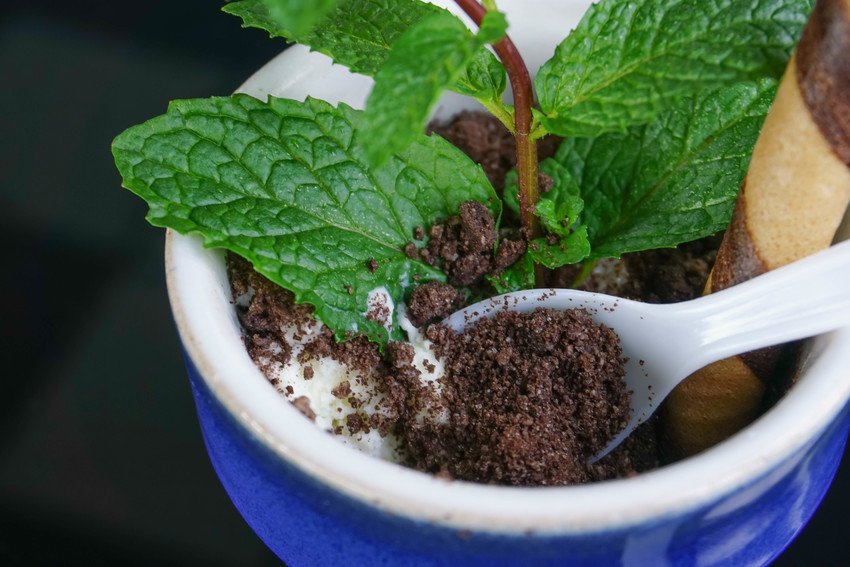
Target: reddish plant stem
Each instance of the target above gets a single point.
(526, 148)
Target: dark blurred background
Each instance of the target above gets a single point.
(101, 459)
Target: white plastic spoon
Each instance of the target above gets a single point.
(665, 343)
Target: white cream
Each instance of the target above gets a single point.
(380, 307)
(328, 374)
(425, 360)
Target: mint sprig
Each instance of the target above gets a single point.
(626, 61)
(285, 184)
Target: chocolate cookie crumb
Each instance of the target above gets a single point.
(477, 228)
(379, 311)
(411, 251)
(355, 424)
(509, 252)
(433, 300)
(468, 270)
(302, 403)
(531, 397)
(343, 390)
(462, 246)
(263, 308)
(545, 182)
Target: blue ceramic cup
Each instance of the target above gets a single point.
(315, 501)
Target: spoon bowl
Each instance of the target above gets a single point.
(663, 344)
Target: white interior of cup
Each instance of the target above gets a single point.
(200, 297)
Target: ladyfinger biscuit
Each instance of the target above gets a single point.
(791, 202)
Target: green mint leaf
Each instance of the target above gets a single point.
(570, 249)
(360, 35)
(484, 78)
(284, 184)
(671, 181)
(299, 15)
(563, 188)
(493, 27)
(423, 63)
(511, 192)
(627, 60)
(560, 218)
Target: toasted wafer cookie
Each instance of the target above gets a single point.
(791, 202)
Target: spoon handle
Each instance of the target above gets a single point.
(799, 300)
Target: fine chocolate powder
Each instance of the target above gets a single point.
(530, 399)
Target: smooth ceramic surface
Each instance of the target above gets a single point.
(315, 501)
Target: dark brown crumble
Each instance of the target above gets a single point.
(432, 301)
(529, 399)
(463, 247)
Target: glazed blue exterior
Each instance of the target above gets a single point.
(306, 523)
